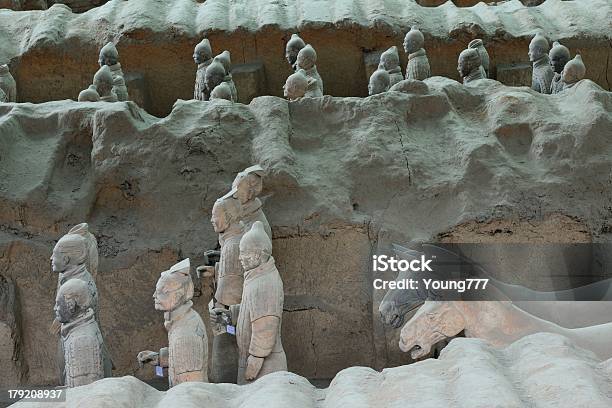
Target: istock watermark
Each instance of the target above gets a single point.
(383, 263)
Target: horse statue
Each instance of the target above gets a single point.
(498, 322)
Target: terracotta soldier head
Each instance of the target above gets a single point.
(478, 45)
(89, 95)
(469, 62)
(248, 184)
(221, 91)
(538, 47)
(226, 60)
(559, 56)
(297, 84)
(294, 45)
(574, 70)
(70, 250)
(307, 57)
(225, 213)
(379, 82)
(103, 81)
(108, 55)
(174, 287)
(215, 74)
(414, 40)
(202, 52)
(255, 247)
(389, 59)
(73, 300)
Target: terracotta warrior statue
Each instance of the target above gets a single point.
(470, 65)
(229, 278)
(3, 97)
(260, 313)
(541, 78)
(246, 188)
(484, 55)
(573, 72)
(418, 64)
(187, 353)
(559, 55)
(82, 344)
(215, 75)
(103, 81)
(89, 95)
(379, 82)
(307, 60)
(8, 84)
(294, 45)
(225, 59)
(109, 56)
(389, 61)
(299, 85)
(202, 56)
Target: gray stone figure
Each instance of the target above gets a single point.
(260, 313)
(89, 95)
(247, 187)
(103, 81)
(559, 55)
(109, 56)
(390, 62)
(541, 78)
(299, 85)
(293, 47)
(222, 91)
(187, 353)
(418, 64)
(8, 84)
(82, 343)
(380, 81)
(3, 97)
(484, 55)
(573, 72)
(469, 65)
(82, 229)
(229, 278)
(307, 60)
(202, 56)
(225, 59)
(215, 75)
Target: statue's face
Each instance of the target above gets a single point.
(463, 67)
(218, 219)
(291, 54)
(199, 57)
(59, 261)
(64, 309)
(168, 295)
(558, 63)
(251, 259)
(375, 87)
(409, 45)
(103, 87)
(535, 52)
(304, 62)
(213, 79)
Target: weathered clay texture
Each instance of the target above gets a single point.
(60, 48)
(543, 370)
(367, 173)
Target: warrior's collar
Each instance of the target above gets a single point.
(232, 231)
(87, 317)
(419, 53)
(177, 314)
(259, 270)
(544, 61)
(72, 272)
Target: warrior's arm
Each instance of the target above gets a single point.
(163, 357)
(264, 335)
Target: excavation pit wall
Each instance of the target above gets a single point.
(53, 54)
(367, 173)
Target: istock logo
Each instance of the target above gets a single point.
(382, 263)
